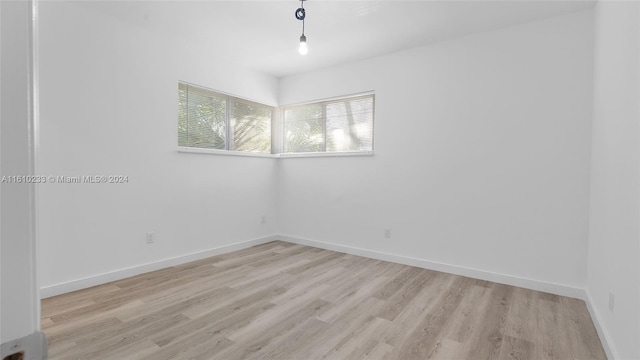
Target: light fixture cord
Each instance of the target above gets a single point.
(300, 14)
(302, 6)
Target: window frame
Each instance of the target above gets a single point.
(324, 103)
(229, 114)
(277, 128)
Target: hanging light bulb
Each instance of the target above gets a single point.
(303, 49)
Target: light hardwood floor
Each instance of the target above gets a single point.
(286, 301)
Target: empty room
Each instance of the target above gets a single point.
(320, 180)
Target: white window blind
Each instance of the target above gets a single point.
(210, 120)
(341, 125)
(250, 126)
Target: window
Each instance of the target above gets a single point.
(341, 125)
(210, 120)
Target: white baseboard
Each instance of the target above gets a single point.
(537, 285)
(99, 279)
(553, 288)
(87, 282)
(605, 338)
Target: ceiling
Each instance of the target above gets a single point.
(264, 35)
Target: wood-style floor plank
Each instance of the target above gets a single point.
(292, 302)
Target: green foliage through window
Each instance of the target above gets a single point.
(343, 125)
(210, 120)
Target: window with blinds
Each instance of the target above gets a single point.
(211, 120)
(340, 125)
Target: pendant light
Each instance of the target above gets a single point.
(303, 49)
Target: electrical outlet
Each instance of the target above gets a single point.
(151, 237)
(387, 233)
(611, 302)
(263, 219)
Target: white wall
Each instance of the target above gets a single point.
(614, 234)
(108, 107)
(19, 303)
(482, 157)
(481, 154)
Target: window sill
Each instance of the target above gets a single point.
(273, 156)
(224, 152)
(325, 154)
